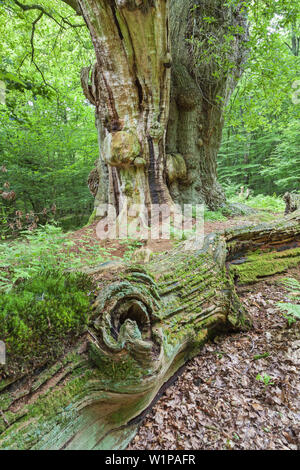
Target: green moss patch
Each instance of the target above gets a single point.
(259, 265)
(122, 372)
(40, 313)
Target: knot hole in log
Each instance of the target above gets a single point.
(127, 314)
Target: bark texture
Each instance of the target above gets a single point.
(208, 52)
(292, 201)
(149, 320)
(130, 87)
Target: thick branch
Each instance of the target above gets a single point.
(73, 4)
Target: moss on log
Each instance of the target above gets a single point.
(258, 252)
(148, 322)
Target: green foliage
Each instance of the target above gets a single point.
(260, 148)
(131, 245)
(214, 216)
(265, 379)
(291, 311)
(42, 250)
(38, 312)
(259, 265)
(48, 160)
(261, 356)
(214, 56)
(262, 202)
(265, 160)
(284, 161)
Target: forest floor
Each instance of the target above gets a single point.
(218, 402)
(86, 237)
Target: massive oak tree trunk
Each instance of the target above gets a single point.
(148, 321)
(130, 88)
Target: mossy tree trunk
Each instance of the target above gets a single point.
(208, 50)
(148, 321)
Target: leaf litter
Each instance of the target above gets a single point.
(218, 402)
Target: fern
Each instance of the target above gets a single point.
(291, 309)
(44, 249)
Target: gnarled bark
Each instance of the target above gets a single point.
(149, 321)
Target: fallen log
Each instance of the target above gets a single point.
(148, 322)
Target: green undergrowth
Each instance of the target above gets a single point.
(38, 313)
(261, 202)
(259, 265)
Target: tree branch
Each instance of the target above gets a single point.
(45, 12)
(34, 23)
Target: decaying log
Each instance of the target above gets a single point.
(149, 321)
(292, 201)
(93, 181)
